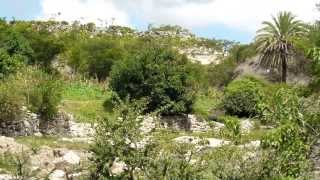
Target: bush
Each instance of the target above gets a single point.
(46, 96)
(10, 104)
(9, 64)
(232, 128)
(282, 106)
(243, 97)
(159, 74)
(222, 74)
(288, 152)
(96, 56)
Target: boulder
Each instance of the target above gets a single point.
(118, 167)
(57, 175)
(246, 125)
(8, 144)
(71, 158)
(6, 177)
(211, 142)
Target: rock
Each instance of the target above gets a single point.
(184, 122)
(57, 175)
(198, 125)
(8, 144)
(187, 140)
(59, 125)
(71, 158)
(148, 124)
(251, 145)
(88, 140)
(118, 167)
(246, 125)
(217, 126)
(38, 134)
(81, 129)
(214, 143)
(6, 177)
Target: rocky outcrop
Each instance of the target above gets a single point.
(203, 55)
(59, 125)
(31, 124)
(9, 145)
(186, 122)
(295, 76)
(27, 126)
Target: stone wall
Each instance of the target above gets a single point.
(27, 126)
(31, 124)
(60, 125)
(186, 122)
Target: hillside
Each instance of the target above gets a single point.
(84, 102)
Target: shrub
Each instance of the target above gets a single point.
(118, 139)
(222, 74)
(46, 96)
(159, 74)
(282, 106)
(243, 97)
(8, 64)
(96, 56)
(10, 104)
(288, 152)
(232, 128)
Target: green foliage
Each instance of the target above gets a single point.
(9, 64)
(118, 139)
(11, 103)
(243, 97)
(159, 74)
(233, 163)
(84, 91)
(241, 53)
(206, 102)
(15, 44)
(85, 100)
(283, 106)
(46, 96)
(95, 56)
(222, 74)
(232, 128)
(288, 155)
(181, 160)
(275, 41)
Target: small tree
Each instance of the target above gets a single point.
(159, 74)
(119, 139)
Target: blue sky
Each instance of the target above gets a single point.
(223, 19)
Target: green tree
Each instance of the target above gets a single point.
(276, 41)
(160, 74)
(9, 64)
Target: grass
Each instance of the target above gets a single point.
(85, 100)
(206, 102)
(50, 141)
(6, 165)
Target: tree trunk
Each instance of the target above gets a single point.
(284, 70)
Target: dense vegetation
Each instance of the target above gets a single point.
(116, 76)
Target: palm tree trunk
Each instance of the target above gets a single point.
(284, 70)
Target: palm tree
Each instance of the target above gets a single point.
(275, 41)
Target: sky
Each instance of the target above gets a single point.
(236, 20)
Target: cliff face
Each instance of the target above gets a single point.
(296, 76)
(203, 55)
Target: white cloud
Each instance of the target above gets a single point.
(98, 11)
(245, 15)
